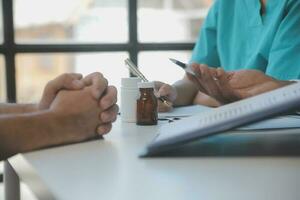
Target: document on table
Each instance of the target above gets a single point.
(281, 122)
(184, 111)
(231, 116)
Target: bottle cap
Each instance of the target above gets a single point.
(130, 82)
(146, 85)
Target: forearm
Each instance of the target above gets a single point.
(186, 92)
(11, 108)
(25, 132)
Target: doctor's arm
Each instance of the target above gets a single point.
(227, 87)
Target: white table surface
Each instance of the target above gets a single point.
(111, 169)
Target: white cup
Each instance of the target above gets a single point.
(129, 95)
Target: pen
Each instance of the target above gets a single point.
(184, 66)
(133, 69)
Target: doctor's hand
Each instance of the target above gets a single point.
(165, 90)
(248, 83)
(231, 86)
(213, 83)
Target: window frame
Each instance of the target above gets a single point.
(10, 48)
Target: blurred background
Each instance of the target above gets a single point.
(48, 36)
(40, 39)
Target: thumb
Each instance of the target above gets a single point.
(163, 91)
(168, 91)
(73, 82)
(66, 81)
(69, 81)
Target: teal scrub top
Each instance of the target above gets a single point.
(236, 36)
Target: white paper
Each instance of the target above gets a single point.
(281, 122)
(184, 111)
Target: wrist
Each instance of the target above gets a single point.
(24, 132)
(39, 133)
(29, 108)
(57, 128)
(63, 128)
(45, 128)
(176, 100)
(13, 108)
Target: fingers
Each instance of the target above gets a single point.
(164, 108)
(168, 91)
(207, 78)
(76, 83)
(158, 84)
(214, 82)
(66, 81)
(70, 81)
(109, 115)
(108, 98)
(223, 83)
(165, 90)
(107, 118)
(97, 82)
(196, 79)
(110, 109)
(104, 128)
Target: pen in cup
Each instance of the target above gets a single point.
(134, 70)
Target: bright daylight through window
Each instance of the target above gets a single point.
(104, 23)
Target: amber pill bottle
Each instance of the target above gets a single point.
(146, 110)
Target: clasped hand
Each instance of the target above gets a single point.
(88, 104)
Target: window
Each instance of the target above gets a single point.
(2, 80)
(74, 21)
(156, 65)
(41, 39)
(34, 68)
(1, 23)
(170, 20)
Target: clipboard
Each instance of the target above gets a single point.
(216, 121)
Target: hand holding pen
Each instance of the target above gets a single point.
(214, 82)
(167, 91)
